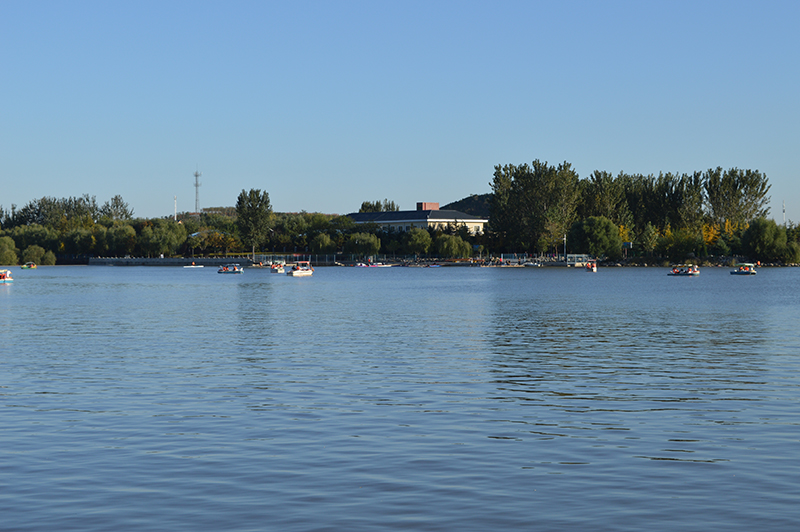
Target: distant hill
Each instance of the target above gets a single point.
(476, 205)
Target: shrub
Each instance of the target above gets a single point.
(33, 254)
(49, 259)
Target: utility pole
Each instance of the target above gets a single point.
(197, 191)
(175, 212)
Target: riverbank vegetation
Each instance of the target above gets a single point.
(534, 208)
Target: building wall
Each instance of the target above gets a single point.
(472, 227)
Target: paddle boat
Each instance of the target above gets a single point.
(29, 266)
(193, 265)
(591, 266)
(5, 276)
(230, 268)
(301, 268)
(684, 270)
(372, 265)
(745, 268)
(277, 267)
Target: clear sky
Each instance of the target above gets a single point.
(325, 104)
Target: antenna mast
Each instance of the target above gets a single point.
(197, 191)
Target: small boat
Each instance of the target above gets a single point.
(277, 267)
(193, 265)
(591, 266)
(684, 270)
(373, 265)
(29, 266)
(301, 268)
(532, 264)
(745, 268)
(5, 276)
(230, 268)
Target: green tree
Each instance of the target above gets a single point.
(34, 234)
(765, 240)
(597, 236)
(168, 236)
(49, 259)
(78, 241)
(648, 239)
(8, 251)
(792, 254)
(378, 206)
(33, 254)
(603, 195)
(690, 202)
(736, 196)
(534, 205)
(253, 217)
(679, 245)
(417, 241)
(451, 246)
(116, 209)
(322, 243)
(364, 244)
(120, 239)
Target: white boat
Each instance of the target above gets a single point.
(373, 265)
(301, 268)
(276, 267)
(5, 276)
(532, 264)
(745, 268)
(230, 268)
(684, 270)
(193, 265)
(591, 266)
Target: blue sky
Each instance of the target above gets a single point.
(325, 104)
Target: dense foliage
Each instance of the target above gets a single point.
(532, 208)
(674, 216)
(254, 217)
(379, 206)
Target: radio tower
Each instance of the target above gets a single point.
(197, 191)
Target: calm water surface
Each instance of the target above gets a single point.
(399, 398)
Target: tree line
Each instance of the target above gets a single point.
(75, 228)
(535, 207)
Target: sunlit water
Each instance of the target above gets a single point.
(399, 398)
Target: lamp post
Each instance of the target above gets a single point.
(565, 250)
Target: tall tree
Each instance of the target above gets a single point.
(533, 205)
(690, 212)
(254, 217)
(116, 209)
(736, 196)
(377, 206)
(598, 236)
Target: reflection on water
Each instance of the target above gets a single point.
(429, 399)
(630, 373)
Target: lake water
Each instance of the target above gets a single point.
(399, 398)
